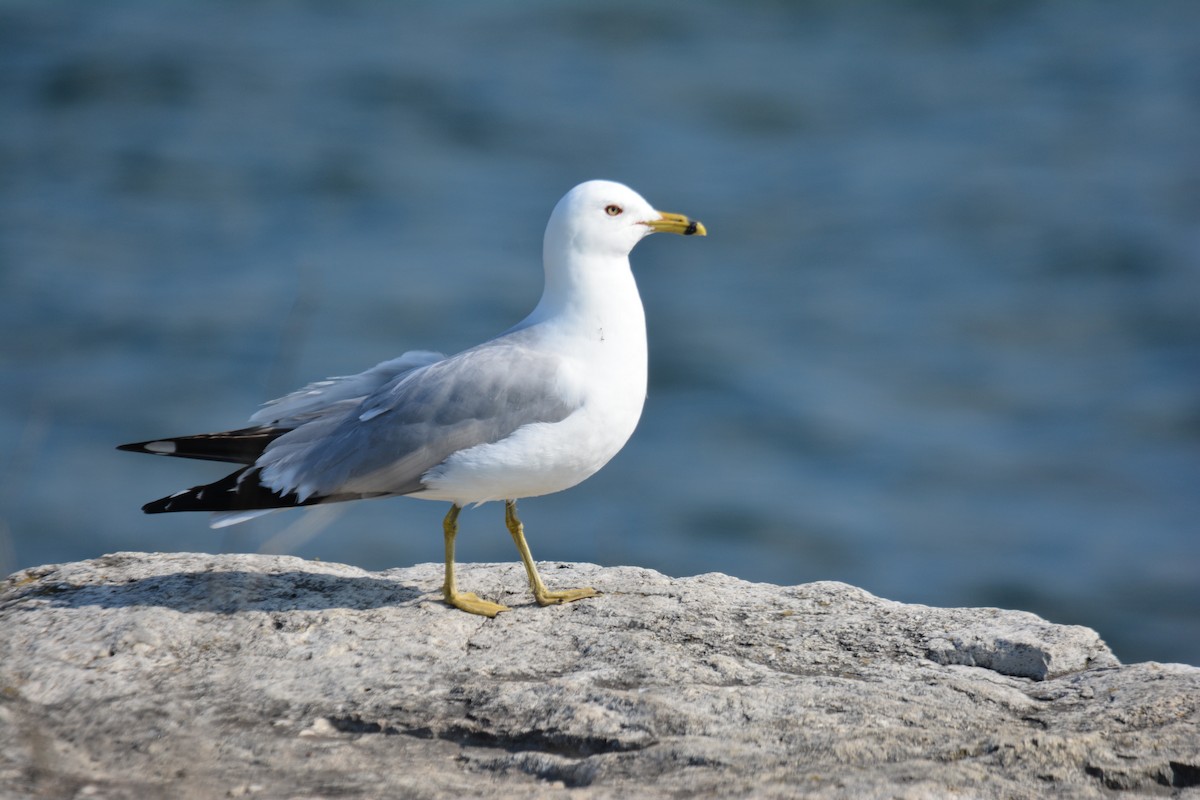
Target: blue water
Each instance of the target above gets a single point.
(943, 341)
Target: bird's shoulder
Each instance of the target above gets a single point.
(506, 375)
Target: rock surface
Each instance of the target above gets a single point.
(155, 675)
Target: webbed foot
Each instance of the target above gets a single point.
(474, 604)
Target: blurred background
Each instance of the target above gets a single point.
(942, 341)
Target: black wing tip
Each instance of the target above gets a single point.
(237, 491)
(158, 506)
(139, 447)
(242, 446)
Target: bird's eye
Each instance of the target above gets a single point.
(613, 210)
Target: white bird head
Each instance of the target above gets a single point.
(606, 219)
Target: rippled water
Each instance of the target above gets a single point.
(942, 341)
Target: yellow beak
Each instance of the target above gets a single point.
(676, 223)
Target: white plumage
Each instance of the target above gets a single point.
(535, 410)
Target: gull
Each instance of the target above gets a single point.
(536, 410)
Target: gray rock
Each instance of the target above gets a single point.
(140, 675)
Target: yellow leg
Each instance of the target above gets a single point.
(540, 593)
(467, 601)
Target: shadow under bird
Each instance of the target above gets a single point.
(533, 411)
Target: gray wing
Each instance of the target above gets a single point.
(304, 404)
(384, 443)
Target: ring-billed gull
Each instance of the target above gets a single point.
(535, 410)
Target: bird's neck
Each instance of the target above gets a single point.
(596, 298)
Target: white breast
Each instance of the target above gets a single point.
(603, 349)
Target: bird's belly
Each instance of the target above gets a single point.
(536, 459)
